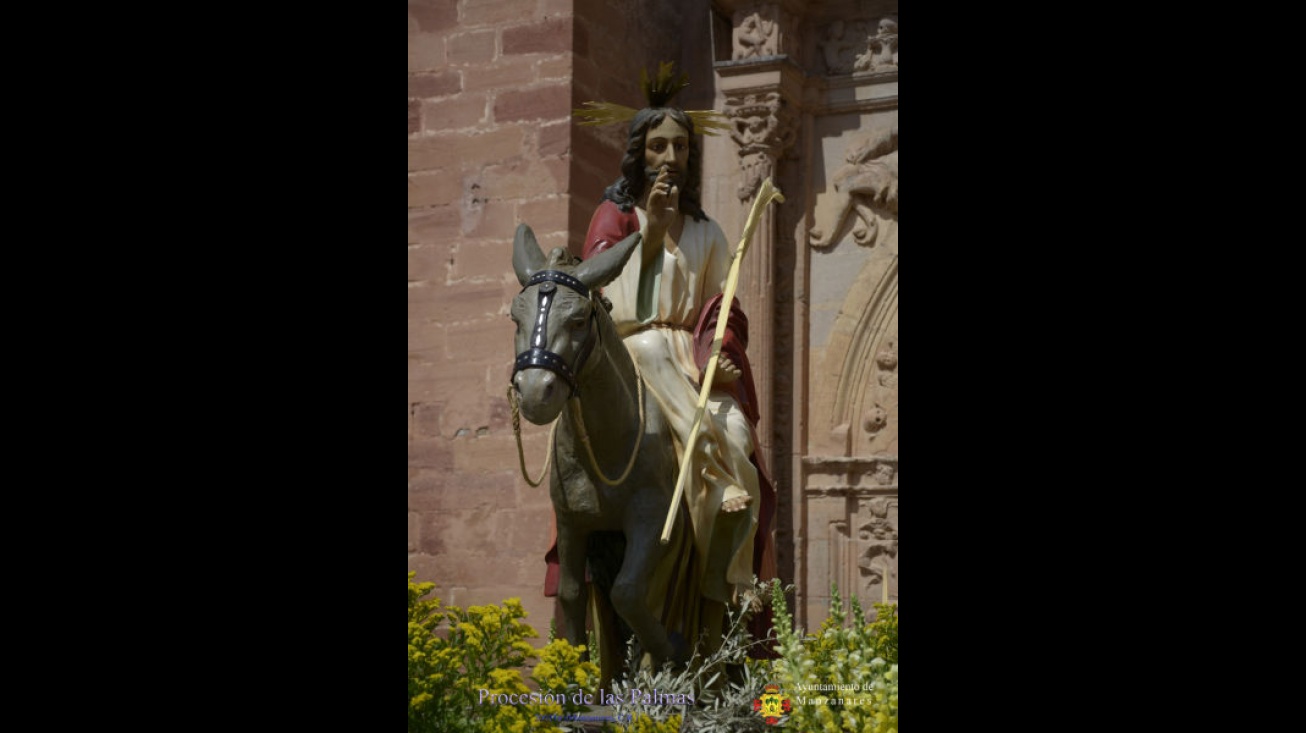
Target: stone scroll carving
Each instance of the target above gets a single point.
(866, 185)
(858, 46)
(763, 127)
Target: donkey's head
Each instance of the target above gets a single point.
(554, 314)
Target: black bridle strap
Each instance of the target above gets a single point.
(560, 278)
(539, 356)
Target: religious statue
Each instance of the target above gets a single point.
(665, 306)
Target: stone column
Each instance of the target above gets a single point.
(763, 89)
(762, 126)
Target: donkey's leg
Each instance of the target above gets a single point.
(630, 591)
(572, 590)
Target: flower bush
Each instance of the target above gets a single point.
(461, 660)
(846, 677)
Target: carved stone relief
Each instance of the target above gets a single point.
(881, 49)
(867, 564)
(862, 477)
(857, 46)
(887, 361)
(851, 521)
(854, 411)
(861, 397)
(840, 43)
(880, 404)
(832, 306)
(867, 185)
(755, 33)
(762, 30)
(763, 127)
(885, 474)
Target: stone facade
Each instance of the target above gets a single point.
(810, 92)
(490, 97)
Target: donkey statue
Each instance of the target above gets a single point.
(614, 465)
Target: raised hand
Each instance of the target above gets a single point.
(663, 203)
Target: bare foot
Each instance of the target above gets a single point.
(734, 499)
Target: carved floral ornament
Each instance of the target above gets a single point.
(763, 128)
(859, 46)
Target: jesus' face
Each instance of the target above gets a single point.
(668, 144)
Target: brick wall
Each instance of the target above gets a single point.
(489, 98)
(491, 84)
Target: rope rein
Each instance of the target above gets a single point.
(583, 434)
(516, 430)
(639, 435)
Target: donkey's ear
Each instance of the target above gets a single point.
(604, 267)
(527, 258)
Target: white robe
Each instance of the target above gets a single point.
(659, 335)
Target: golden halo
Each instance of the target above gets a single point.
(659, 92)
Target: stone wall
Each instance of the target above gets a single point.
(489, 99)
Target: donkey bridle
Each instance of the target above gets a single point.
(539, 357)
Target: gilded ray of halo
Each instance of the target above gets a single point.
(708, 121)
(603, 113)
(659, 92)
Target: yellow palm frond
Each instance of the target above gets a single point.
(603, 113)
